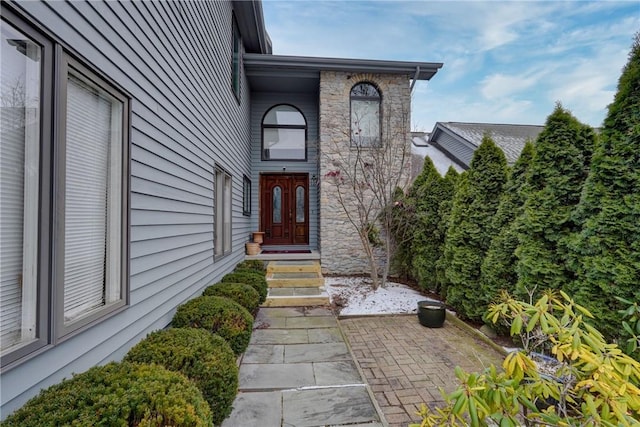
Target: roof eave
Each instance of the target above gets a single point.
(418, 70)
(251, 24)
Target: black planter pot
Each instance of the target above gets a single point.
(431, 313)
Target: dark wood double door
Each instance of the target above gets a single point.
(284, 209)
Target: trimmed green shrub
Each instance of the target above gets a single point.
(251, 264)
(117, 394)
(204, 358)
(554, 183)
(427, 244)
(470, 227)
(257, 280)
(243, 294)
(217, 315)
(499, 265)
(605, 254)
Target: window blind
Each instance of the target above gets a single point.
(88, 190)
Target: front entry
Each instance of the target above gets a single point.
(284, 211)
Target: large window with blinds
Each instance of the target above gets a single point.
(64, 194)
(92, 233)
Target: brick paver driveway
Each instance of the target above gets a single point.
(406, 364)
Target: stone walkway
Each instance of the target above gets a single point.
(298, 372)
(406, 364)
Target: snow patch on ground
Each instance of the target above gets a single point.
(355, 296)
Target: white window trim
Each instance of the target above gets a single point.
(30, 215)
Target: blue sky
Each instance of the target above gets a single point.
(504, 62)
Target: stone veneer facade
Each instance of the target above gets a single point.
(342, 251)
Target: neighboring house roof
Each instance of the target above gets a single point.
(420, 148)
(301, 73)
(459, 140)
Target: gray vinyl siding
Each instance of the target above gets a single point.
(459, 150)
(174, 59)
(308, 105)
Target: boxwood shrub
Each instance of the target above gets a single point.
(220, 316)
(251, 264)
(255, 279)
(117, 394)
(204, 358)
(243, 294)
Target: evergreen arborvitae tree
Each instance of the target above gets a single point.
(426, 246)
(444, 211)
(499, 266)
(553, 187)
(403, 219)
(605, 254)
(470, 227)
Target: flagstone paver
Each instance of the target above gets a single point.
(320, 407)
(405, 363)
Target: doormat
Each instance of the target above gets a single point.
(294, 251)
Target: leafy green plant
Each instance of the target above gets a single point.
(204, 358)
(217, 315)
(256, 279)
(630, 340)
(243, 294)
(592, 383)
(117, 394)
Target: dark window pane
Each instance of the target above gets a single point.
(300, 204)
(284, 115)
(365, 90)
(365, 122)
(284, 143)
(277, 205)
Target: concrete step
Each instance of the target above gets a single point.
(300, 266)
(296, 297)
(295, 283)
(295, 280)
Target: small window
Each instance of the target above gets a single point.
(235, 60)
(222, 240)
(365, 115)
(246, 196)
(284, 134)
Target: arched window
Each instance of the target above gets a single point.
(365, 115)
(284, 134)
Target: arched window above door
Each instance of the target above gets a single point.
(284, 134)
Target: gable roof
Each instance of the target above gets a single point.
(459, 140)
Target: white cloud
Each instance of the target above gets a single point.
(498, 86)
